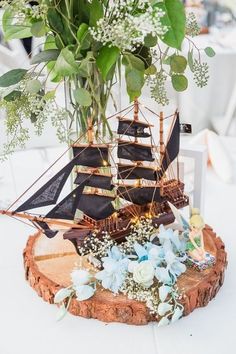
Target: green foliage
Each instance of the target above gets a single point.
(12, 31)
(33, 86)
(106, 59)
(12, 96)
(38, 29)
(45, 56)
(96, 12)
(12, 77)
(209, 52)
(82, 97)
(66, 64)
(90, 64)
(179, 82)
(134, 74)
(175, 20)
(178, 64)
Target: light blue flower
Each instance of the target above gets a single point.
(162, 274)
(174, 265)
(115, 268)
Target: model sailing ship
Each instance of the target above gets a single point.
(140, 187)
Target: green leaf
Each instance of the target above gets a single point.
(45, 56)
(150, 41)
(38, 29)
(107, 57)
(84, 36)
(178, 64)
(55, 20)
(85, 65)
(14, 31)
(175, 20)
(12, 96)
(83, 28)
(96, 12)
(179, 82)
(190, 60)
(144, 54)
(50, 95)
(66, 64)
(33, 86)
(209, 52)
(151, 70)
(12, 77)
(82, 97)
(133, 62)
(134, 75)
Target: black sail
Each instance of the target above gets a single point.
(67, 207)
(91, 156)
(94, 180)
(49, 193)
(172, 147)
(140, 195)
(136, 172)
(134, 152)
(133, 128)
(95, 206)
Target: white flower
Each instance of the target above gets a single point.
(143, 273)
(80, 277)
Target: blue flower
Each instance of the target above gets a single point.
(115, 267)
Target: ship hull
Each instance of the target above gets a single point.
(119, 226)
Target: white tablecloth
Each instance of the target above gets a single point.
(28, 324)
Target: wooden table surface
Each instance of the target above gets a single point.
(28, 325)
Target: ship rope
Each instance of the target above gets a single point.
(59, 158)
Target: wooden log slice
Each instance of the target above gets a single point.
(48, 264)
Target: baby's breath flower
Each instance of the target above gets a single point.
(127, 24)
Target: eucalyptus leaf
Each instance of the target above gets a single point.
(62, 294)
(209, 52)
(179, 82)
(175, 20)
(66, 64)
(45, 56)
(107, 57)
(33, 86)
(50, 95)
(12, 77)
(151, 70)
(82, 97)
(178, 64)
(62, 312)
(12, 96)
(190, 60)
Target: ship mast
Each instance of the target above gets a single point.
(162, 145)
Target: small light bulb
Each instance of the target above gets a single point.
(104, 163)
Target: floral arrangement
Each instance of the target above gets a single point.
(145, 268)
(86, 47)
